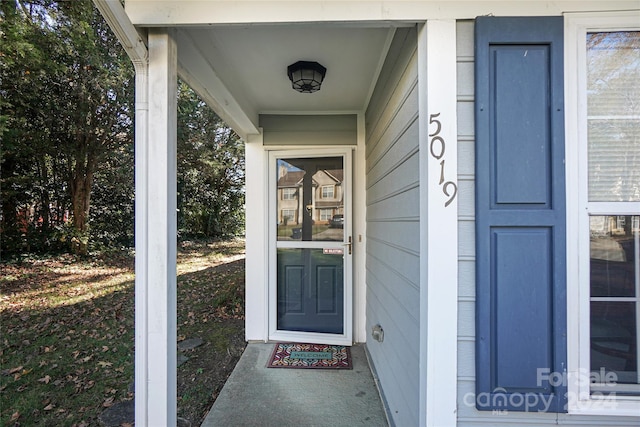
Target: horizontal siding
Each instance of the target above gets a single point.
(299, 130)
(468, 416)
(393, 257)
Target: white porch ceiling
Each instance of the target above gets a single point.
(241, 71)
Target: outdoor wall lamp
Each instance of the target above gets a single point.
(305, 76)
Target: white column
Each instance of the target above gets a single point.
(438, 223)
(256, 231)
(156, 226)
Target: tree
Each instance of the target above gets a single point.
(210, 171)
(68, 94)
(66, 123)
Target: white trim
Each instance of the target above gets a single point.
(359, 235)
(607, 208)
(142, 405)
(576, 27)
(438, 223)
(353, 12)
(292, 336)
(118, 20)
(346, 338)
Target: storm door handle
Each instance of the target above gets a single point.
(348, 245)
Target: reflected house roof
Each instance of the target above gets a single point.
(294, 178)
(291, 179)
(336, 174)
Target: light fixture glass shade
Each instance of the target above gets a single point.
(306, 76)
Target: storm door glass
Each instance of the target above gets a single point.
(310, 244)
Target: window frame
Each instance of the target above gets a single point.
(289, 193)
(283, 210)
(579, 209)
(323, 213)
(327, 187)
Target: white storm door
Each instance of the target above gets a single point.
(310, 279)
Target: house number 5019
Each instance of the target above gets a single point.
(437, 148)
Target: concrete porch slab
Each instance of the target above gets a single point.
(256, 395)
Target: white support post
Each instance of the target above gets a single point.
(156, 227)
(257, 249)
(438, 223)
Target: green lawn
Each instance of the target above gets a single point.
(287, 230)
(68, 339)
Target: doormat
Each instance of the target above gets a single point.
(310, 356)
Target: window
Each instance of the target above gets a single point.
(613, 304)
(326, 214)
(288, 194)
(288, 216)
(603, 165)
(327, 191)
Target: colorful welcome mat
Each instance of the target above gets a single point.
(318, 356)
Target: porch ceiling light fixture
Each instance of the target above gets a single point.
(306, 76)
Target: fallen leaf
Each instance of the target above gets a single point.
(14, 370)
(108, 402)
(45, 379)
(15, 416)
(49, 407)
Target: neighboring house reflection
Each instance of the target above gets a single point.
(327, 198)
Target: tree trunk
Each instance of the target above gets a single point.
(82, 182)
(9, 221)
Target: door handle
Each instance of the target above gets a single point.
(348, 245)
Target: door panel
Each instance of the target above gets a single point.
(310, 291)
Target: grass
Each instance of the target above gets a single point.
(287, 230)
(67, 333)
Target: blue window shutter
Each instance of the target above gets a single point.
(520, 215)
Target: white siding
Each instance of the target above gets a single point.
(468, 416)
(393, 268)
